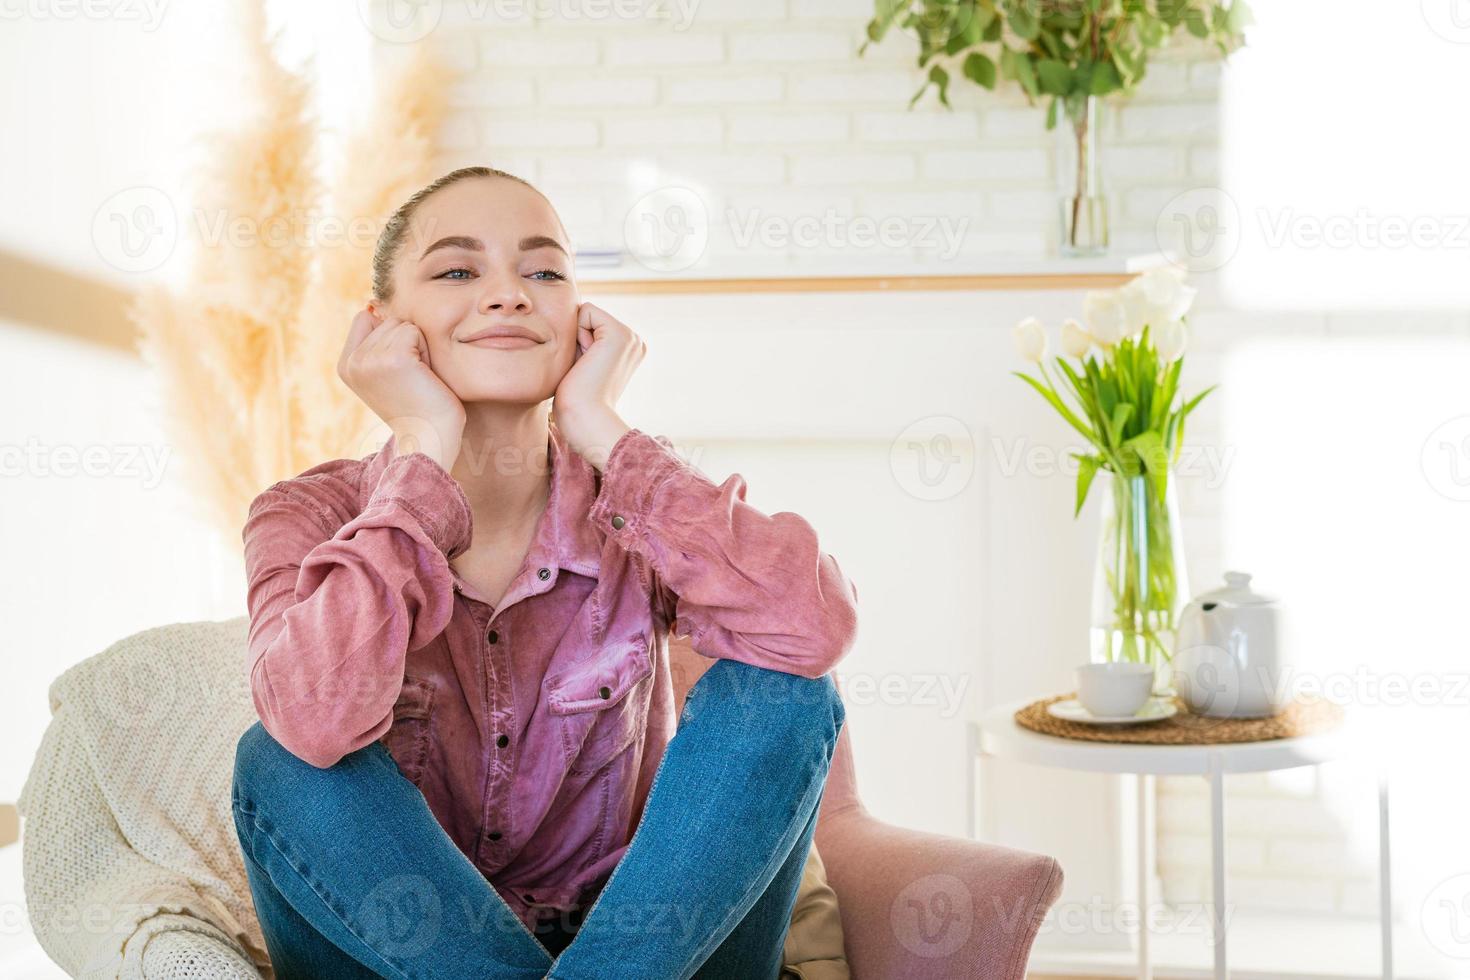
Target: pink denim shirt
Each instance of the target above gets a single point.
(533, 729)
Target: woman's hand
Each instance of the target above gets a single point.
(386, 362)
(608, 353)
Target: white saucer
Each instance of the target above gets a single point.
(1155, 709)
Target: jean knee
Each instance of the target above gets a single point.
(256, 753)
(791, 706)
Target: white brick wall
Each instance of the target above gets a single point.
(765, 106)
(773, 95)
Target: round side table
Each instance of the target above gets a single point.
(997, 734)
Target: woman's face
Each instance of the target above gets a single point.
(489, 252)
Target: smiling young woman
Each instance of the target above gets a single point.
(458, 648)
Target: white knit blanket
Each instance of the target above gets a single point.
(129, 839)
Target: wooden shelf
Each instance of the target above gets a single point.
(830, 275)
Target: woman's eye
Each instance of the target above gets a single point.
(450, 274)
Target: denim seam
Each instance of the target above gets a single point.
(642, 819)
(262, 827)
(818, 788)
(242, 805)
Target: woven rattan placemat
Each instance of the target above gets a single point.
(1304, 716)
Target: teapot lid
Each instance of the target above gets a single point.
(1237, 589)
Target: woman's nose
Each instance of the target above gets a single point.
(503, 293)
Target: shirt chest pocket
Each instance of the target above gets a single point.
(407, 739)
(600, 705)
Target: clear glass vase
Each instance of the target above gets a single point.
(1139, 584)
(1084, 209)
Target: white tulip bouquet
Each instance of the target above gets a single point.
(1125, 395)
(1128, 407)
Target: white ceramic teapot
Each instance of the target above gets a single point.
(1228, 662)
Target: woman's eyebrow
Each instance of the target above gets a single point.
(475, 245)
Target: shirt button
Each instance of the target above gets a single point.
(493, 835)
(543, 574)
(604, 693)
(503, 741)
(618, 521)
(493, 636)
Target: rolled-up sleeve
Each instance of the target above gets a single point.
(335, 608)
(742, 584)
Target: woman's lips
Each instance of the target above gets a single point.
(509, 343)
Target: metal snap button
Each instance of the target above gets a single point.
(543, 574)
(618, 521)
(604, 693)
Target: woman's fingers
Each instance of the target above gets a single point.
(362, 325)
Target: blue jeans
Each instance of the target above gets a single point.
(353, 876)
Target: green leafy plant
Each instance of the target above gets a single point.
(1057, 50)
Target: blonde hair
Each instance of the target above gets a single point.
(390, 240)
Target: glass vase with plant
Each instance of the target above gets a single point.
(1069, 53)
(1123, 397)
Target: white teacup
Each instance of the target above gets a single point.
(1111, 690)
